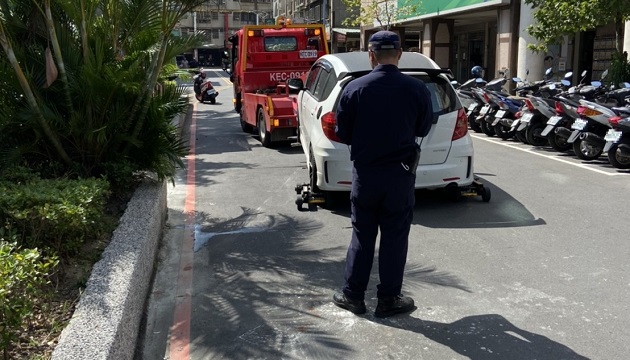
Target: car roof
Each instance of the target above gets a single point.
(358, 63)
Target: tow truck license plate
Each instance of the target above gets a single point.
(308, 54)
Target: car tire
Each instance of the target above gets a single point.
(265, 136)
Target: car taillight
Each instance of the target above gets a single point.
(461, 126)
(614, 121)
(530, 106)
(559, 108)
(329, 122)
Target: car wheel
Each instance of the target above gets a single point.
(533, 135)
(586, 151)
(265, 137)
(312, 171)
(616, 160)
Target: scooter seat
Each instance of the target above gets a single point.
(622, 110)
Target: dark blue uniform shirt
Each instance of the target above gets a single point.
(380, 114)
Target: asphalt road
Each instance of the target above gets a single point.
(539, 272)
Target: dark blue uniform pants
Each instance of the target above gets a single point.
(381, 197)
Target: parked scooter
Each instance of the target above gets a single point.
(540, 107)
(488, 111)
(204, 91)
(558, 129)
(589, 130)
(618, 139)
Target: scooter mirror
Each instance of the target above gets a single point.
(584, 73)
(565, 82)
(454, 83)
(526, 71)
(604, 74)
(568, 75)
(479, 80)
(596, 83)
(516, 79)
(548, 71)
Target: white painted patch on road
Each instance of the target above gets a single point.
(202, 237)
(551, 157)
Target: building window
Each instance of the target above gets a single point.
(215, 15)
(215, 33)
(236, 16)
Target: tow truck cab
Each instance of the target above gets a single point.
(263, 58)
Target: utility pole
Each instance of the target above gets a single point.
(195, 52)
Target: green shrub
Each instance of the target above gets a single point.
(23, 274)
(58, 214)
(619, 71)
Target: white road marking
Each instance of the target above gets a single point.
(551, 157)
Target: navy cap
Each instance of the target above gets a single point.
(384, 40)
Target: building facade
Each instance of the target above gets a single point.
(218, 19)
(457, 34)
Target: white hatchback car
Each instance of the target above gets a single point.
(447, 152)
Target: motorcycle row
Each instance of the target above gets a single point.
(588, 119)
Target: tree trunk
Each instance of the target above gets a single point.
(30, 97)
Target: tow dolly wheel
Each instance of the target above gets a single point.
(299, 201)
(485, 193)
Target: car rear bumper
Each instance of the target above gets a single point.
(334, 169)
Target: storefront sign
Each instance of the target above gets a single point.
(438, 6)
(341, 37)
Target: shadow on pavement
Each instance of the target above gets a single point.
(485, 337)
(436, 209)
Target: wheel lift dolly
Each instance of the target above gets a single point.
(306, 196)
(474, 189)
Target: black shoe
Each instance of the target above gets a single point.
(354, 306)
(388, 306)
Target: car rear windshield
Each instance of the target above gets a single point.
(280, 43)
(442, 94)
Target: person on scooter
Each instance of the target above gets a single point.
(199, 79)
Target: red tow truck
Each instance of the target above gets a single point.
(263, 58)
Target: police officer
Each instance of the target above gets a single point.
(379, 115)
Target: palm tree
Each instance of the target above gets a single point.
(78, 84)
